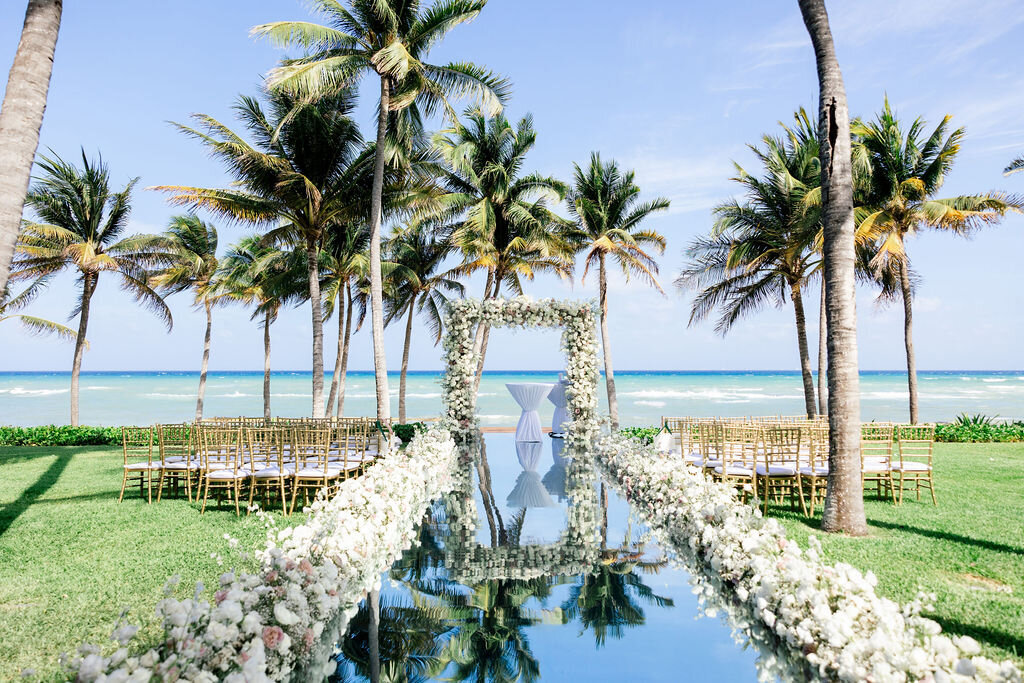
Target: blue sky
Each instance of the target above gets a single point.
(673, 90)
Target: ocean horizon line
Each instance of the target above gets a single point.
(328, 373)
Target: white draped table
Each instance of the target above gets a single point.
(561, 416)
(529, 396)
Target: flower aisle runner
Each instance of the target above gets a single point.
(808, 619)
(264, 626)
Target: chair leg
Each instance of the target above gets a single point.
(206, 495)
(236, 491)
(284, 499)
(188, 483)
(124, 482)
(800, 490)
(295, 495)
(931, 488)
(160, 486)
(252, 493)
(814, 495)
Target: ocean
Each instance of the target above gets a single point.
(117, 398)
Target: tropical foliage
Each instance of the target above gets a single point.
(190, 249)
(10, 304)
(765, 248)
(81, 227)
(304, 173)
(392, 39)
(605, 204)
(907, 169)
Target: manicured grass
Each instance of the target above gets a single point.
(72, 558)
(969, 550)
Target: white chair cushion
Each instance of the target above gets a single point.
(316, 472)
(876, 465)
(777, 470)
(273, 472)
(228, 474)
(142, 466)
(181, 465)
(709, 463)
(819, 471)
(911, 466)
(736, 471)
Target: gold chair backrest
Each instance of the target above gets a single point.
(916, 442)
(266, 447)
(222, 448)
(177, 441)
(876, 441)
(137, 444)
(311, 447)
(782, 444)
(741, 444)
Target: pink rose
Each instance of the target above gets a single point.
(271, 576)
(272, 636)
(220, 595)
(308, 638)
(306, 567)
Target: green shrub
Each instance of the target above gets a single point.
(63, 435)
(645, 434)
(407, 431)
(979, 432)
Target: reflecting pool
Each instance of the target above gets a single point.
(533, 568)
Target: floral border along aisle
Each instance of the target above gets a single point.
(264, 626)
(809, 620)
(579, 342)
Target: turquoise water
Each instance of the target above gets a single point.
(114, 398)
(549, 585)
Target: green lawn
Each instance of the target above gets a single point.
(969, 550)
(71, 557)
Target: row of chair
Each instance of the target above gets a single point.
(227, 455)
(779, 458)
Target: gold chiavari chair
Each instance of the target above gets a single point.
(137, 447)
(739, 447)
(223, 463)
(348, 450)
(266, 458)
(916, 444)
(779, 463)
(876, 457)
(178, 458)
(311, 450)
(710, 437)
(814, 473)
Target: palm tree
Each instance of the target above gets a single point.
(498, 218)
(302, 175)
(254, 273)
(844, 503)
(420, 284)
(907, 169)
(21, 117)
(82, 222)
(390, 38)
(762, 249)
(605, 203)
(191, 245)
(9, 305)
(1015, 165)
(345, 261)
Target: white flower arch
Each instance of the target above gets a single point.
(579, 342)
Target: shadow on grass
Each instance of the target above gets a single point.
(29, 496)
(947, 536)
(1013, 642)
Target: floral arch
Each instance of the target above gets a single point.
(578, 322)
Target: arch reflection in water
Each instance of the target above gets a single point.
(499, 593)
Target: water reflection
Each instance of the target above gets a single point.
(464, 603)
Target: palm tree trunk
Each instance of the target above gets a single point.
(21, 118)
(206, 361)
(380, 365)
(606, 345)
(478, 340)
(484, 337)
(405, 361)
(336, 377)
(908, 337)
(805, 354)
(90, 280)
(373, 634)
(344, 356)
(266, 367)
(313, 268)
(844, 503)
(822, 355)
